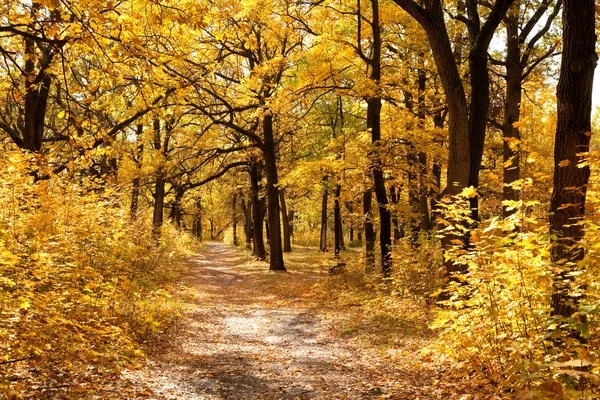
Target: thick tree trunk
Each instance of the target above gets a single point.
(323, 237)
(458, 124)
(287, 243)
(37, 89)
(275, 245)
(573, 131)
(258, 244)
(466, 126)
(369, 232)
(457, 173)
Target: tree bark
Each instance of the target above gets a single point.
(512, 112)
(374, 124)
(159, 186)
(323, 237)
(37, 90)
(466, 125)
(258, 244)
(138, 159)
(425, 224)
(369, 232)
(337, 222)
(198, 220)
(573, 131)
(287, 243)
(235, 219)
(291, 216)
(247, 210)
(175, 215)
(135, 197)
(350, 207)
(275, 245)
(394, 199)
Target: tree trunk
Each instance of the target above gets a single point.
(159, 187)
(394, 198)
(323, 240)
(291, 216)
(198, 220)
(287, 244)
(175, 215)
(414, 198)
(267, 229)
(425, 223)
(466, 126)
(350, 208)
(369, 232)
(235, 219)
(573, 131)
(337, 222)
(159, 202)
(512, 104)
(435, 191)
(258, 244)
(275, 245)
(247, 210)
(138, 159)
(374, 124)
(135, 197)
(37, 89)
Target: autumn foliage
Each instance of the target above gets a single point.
(83, 285)
(419, 144)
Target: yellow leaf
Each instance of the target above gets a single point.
(469, 192)
(25, 304)
(564, 163)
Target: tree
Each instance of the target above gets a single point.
(522, 57)
(466, 124)
(467, 121)
(573, 132)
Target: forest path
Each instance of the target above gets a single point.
(250, 334)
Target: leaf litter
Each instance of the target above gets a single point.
(253, 334)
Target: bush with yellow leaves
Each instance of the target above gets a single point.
(496, 323)
(81, 283)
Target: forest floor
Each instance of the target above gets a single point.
(253, 334)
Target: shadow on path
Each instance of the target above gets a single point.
(241, 341)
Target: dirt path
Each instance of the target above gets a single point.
(248, 337)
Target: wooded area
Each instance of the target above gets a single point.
(450, 142)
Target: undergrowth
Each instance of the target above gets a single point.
(83, 286)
